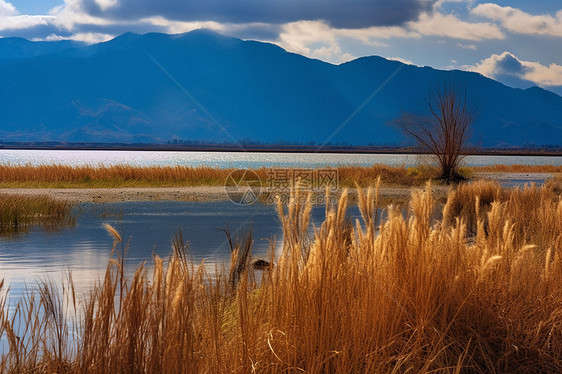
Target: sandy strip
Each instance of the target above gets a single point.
(105, 195)
(200, 193)
(531, 177)
(218, 193)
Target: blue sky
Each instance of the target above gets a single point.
(516, 42)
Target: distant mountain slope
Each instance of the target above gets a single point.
(205, 86)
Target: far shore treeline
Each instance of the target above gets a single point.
(311, 147)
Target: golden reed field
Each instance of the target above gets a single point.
(65, 176)
(18, 213)
(474, 285)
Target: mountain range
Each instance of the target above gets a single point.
(203, 86)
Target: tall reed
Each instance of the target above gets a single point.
(18, 213)
(385, 294)
(67, 176)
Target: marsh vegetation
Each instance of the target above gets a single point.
(18, 213)
(477, 290)
(121, 176)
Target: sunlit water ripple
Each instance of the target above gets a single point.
(243, 159)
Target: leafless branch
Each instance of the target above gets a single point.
(442, 133)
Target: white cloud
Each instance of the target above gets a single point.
(488, 66)
(437, 24)
(10, 19)
(550, 75)
(400, 59)
(21, 22)
(370, 34)
(86, 37)
(178, 27)
(439, 3)
(106, 4)
(533, 71)
(313, 39)
(70, 15)
(468, 46)
(318, 40)
(519, 22)
(7, 9)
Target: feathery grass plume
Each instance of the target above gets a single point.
(241, 254)
(417, 294)
(547, 262)
(488, 264)
(376, 205)
(462, 201)
(367, 205)
(111, 231)
(421, 206)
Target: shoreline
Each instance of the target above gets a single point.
(514, 151)
(111, 195)
(218, 193)
(507, 176)
(191, 194)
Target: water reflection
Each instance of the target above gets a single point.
(147, 228)
(19, 214)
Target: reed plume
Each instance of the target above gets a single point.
(478, 289)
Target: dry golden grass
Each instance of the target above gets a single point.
(401, 294)
(519, 169)
(351, 176)
(64, 176)
(472, 201)
(18, 213)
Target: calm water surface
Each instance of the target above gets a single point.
(243, 159)
(148, 227)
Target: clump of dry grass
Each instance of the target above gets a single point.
(555, 183)
(18, 213)
(89, 176)
(364, 176)
(471, 202)
(397, 294)
(65, 176)
(529, 209)
(519, 168)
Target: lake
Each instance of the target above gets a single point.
(147, 227)
(150, 226)
(242, 160)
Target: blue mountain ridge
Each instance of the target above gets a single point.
(204, 86)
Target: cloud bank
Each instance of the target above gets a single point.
(519, 22)
(332, 30)
(337, 13)
(506, 66)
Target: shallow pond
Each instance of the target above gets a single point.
(146, 228)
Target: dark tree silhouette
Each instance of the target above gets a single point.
(444, 132)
